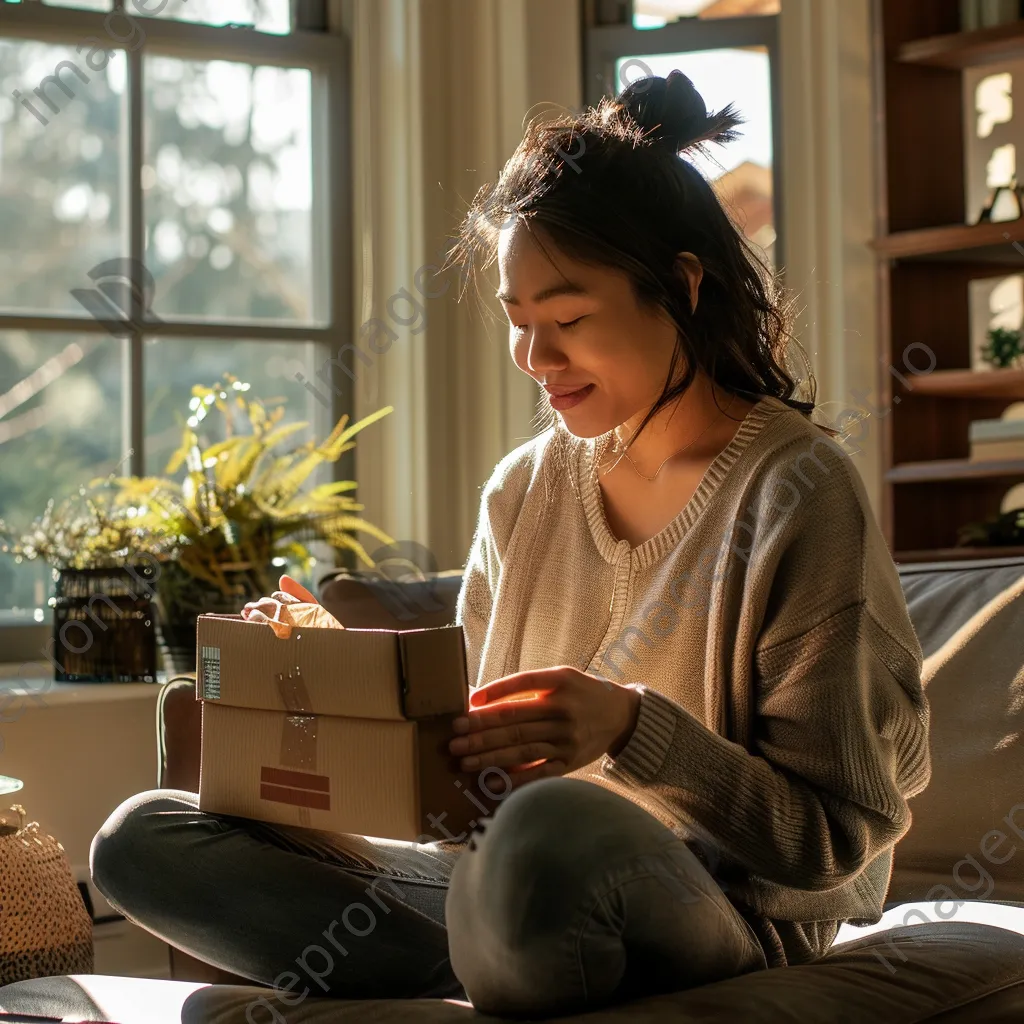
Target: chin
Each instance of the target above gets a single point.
(585, 427)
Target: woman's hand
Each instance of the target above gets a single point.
(546, 722)
(267, 608)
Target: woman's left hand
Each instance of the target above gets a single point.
(544, 722)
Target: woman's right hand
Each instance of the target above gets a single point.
(268, 609)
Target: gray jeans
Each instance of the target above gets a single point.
(570, 898)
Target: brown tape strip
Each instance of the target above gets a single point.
(301, 798)
(293, 692)
(295, 780)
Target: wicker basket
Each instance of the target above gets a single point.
(45, 929)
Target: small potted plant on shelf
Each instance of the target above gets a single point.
(1003, 348)
(1002, 530)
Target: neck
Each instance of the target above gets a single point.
(694, 419)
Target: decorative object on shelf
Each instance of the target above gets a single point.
(993, 302)
(45, 929)
(993, 135)
(1003, 349)
(1011, 190)
(1013, 498)
(975, 14)
(1003, 530)
(104, 619)
(998, 439)
(243, 508)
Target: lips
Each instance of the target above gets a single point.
(560, 402)
(559, 391)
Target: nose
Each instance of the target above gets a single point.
(537, 352)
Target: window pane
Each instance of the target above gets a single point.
(172, 367)
(82, 5)
(60, 427)
(657, 13)
(228, 190)
(60, 171)
(742, 170)
(262, 15)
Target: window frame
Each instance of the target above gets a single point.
(325, 52)
(604, 44)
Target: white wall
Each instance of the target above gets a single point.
(80, 753)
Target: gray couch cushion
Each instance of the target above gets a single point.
(942, 596)
(949, 973)
(967, 833)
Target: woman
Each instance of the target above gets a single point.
(718, 717)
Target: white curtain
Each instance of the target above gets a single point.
(440, 91)
(830, 206)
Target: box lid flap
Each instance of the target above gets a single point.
(358, 673)
(434, 671)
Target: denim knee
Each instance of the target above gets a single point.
(127, 844)
(537, 856)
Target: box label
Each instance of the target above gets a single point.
(209, 659)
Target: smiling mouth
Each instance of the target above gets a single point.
(567, 399)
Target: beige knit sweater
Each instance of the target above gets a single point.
(782, 721)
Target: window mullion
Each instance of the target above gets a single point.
(141, 282)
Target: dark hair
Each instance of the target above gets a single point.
(607, 187)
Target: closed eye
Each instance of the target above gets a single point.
(570, 324)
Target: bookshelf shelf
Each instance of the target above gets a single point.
(956, 554)
(938, 470)
(959, 243)
(970, 384)
(958, 50)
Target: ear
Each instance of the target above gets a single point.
(690, 267)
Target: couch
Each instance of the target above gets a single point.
(948, 950)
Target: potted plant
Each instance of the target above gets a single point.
(1003, 348)
(209, 541)
(103, 562)
(242, 509)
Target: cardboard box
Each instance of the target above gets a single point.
(345, 730)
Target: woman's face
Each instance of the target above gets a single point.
(578, 328)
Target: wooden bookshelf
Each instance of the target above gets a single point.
(926, 258)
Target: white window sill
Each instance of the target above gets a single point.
(38, 689)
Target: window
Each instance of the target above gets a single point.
(729, 49)
(172, 207)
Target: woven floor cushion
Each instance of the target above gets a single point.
(956, 971)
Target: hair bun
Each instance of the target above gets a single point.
(672, 112)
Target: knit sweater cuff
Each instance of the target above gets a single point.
(644, 752)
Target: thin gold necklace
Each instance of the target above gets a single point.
(651, 479)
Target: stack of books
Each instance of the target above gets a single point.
(997, 439)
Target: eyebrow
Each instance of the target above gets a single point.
(568, 288)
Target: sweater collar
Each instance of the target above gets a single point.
(652, 549)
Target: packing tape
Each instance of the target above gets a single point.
(298, 742)
(298, 734)
(293, 692)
